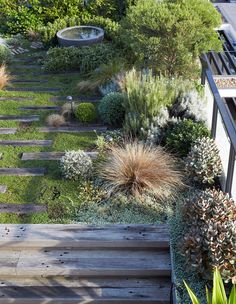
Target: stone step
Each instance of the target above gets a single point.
(50, 155)
(39, 90)
(72, 129)
(26, 66)
(15, 142)
(3, 189)
(26, 108)
(22, 171)
(20, 118)
(93, 99)
(28, 81)
(16, 98)
(8, 130)
(21, 209)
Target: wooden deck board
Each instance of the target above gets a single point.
(22, 171)
(26, 142)
(50, 155)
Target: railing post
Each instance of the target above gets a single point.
(214, 120)
(230, 171)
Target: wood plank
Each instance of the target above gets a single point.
(20, 118)
(40, 90)
(12, 142)
(21, 208)
(8, 130)
(26, 108)
(106, 295)
(84, 236)
(50, 155)
(3, 189)
(71, 129)
(22, 171)
(16, 98)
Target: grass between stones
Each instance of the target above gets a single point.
(30, 190)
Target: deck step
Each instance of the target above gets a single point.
(50, 155)
(20, 118)
(8, 130)
(80, 236)
(22, 171)
(13, 142)
(22, 208)
(26, 108)
(36, 90)
(72, 129)
(3, 189)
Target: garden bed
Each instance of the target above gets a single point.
(226, 85)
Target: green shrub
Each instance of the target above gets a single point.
(111, 109)
(169, 36)
(86, 112)
(5, 55)
(84, 59)
(210, 239)
(181, 135)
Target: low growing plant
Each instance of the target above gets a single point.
(86, 112)
(136, 169)
(210, 240)
(76, 165)
(111, 109)
(181, 135)
(203, 162)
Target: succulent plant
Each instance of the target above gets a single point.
(211, 239)
(203, 162)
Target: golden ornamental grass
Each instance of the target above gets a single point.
(4, 77)
(55, 120)
(136, 168)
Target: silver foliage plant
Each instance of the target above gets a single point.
(76, 165)
(190, 105)
(203, 162)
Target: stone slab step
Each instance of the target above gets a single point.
(3, 189)
(22, 171)
(76, 99)
(16, 98)
(20, 118)
(84, 236)
(71, 129)
(26, 108)
(158, 294)
(50, 155)
(40, 90)
(26, 66)
(28, 81)
(8, 130)
(22, 208)
(26, 142)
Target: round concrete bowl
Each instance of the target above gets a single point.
(80, 36)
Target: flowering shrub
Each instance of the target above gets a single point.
(211, 233)
(203, 162)
(76, 165)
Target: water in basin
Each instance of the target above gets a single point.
(80, 33)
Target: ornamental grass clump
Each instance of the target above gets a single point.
(203, 162)
(55, 120)
(4, 77)
(211, 233)
(136, 169)
(76, 165)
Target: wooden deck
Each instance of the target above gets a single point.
(84, 264)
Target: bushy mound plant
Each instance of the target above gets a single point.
(203, 162)
(190, 105)
(182, 134)
(136, 169)
(5, 55)
(5, 78)
(111, 109)
(211, 235)
(86, 112)
(76, 165)
(84, 59)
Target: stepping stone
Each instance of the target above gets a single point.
(3, 189)
(8, 130)
(29, 81)
(16, 98)
(42, 90)
(43, 143)
(20, 118)
(76, 99)
(71, 129)
(22, 208)
(22, 171)
(50, 155)
(26, 66)
(26, 108)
